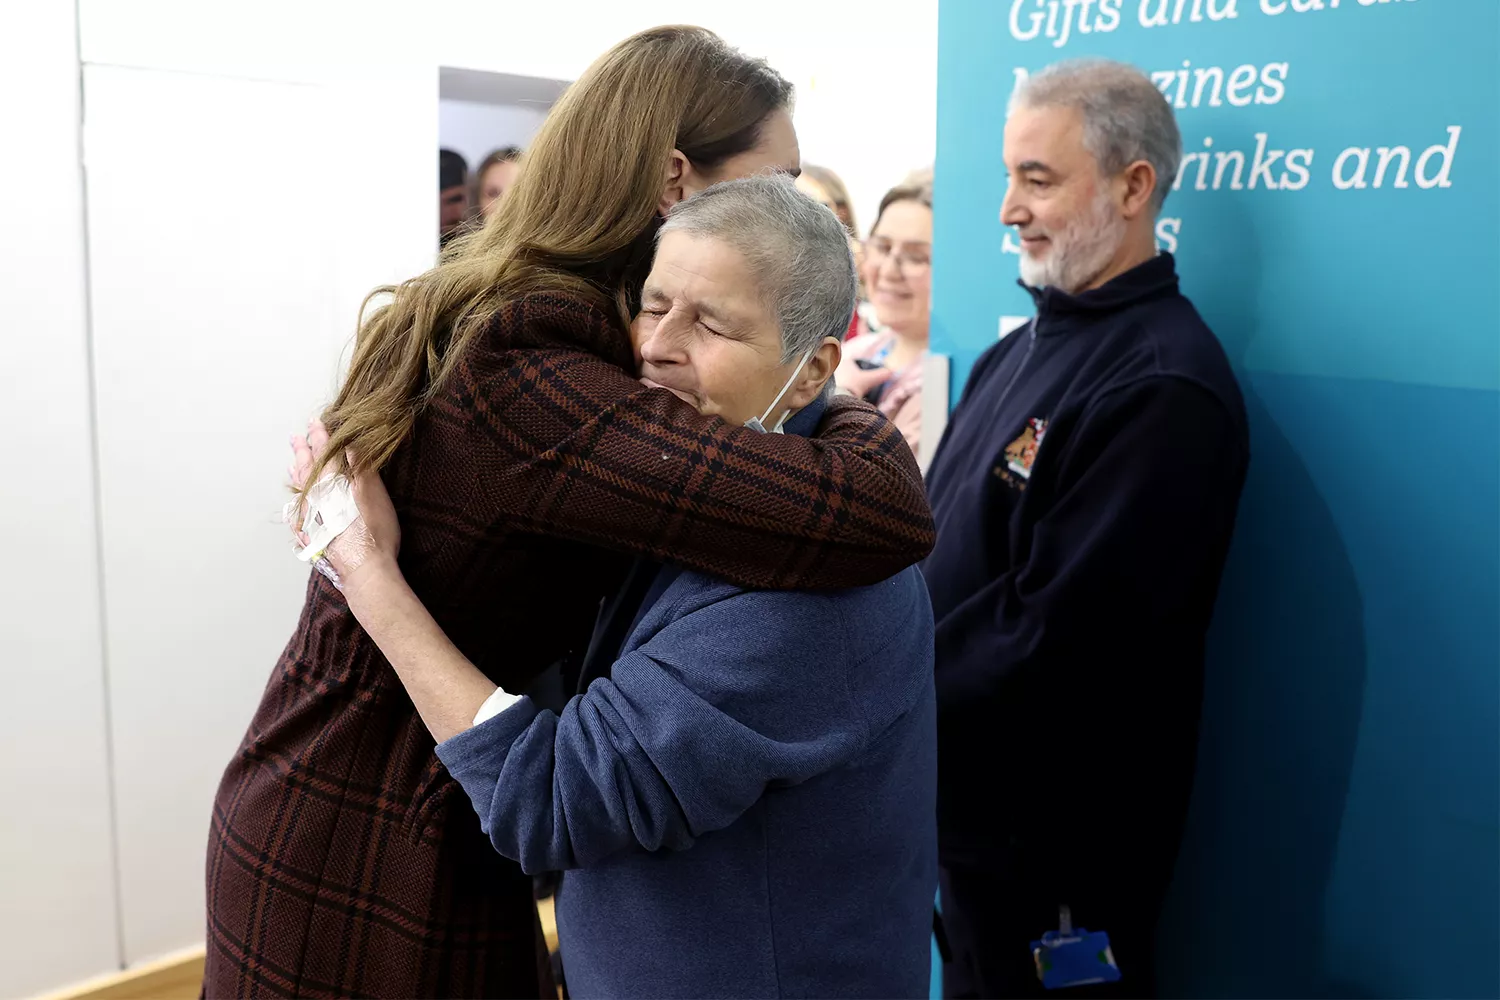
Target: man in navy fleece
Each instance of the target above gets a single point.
(1085, 493)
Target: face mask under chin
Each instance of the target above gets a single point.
(758, 423)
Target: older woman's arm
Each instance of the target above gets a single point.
(445, 687)
(665, 750)
(639, 760)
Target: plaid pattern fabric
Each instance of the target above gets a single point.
(343, 861)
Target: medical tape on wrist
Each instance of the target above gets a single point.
(330, 510)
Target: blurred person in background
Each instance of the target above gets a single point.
(768, 731)
(496, 395)
(453, 194)
(495, 176)
(826, 188)
(884, 367)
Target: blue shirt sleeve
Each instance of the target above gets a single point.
(687, 734)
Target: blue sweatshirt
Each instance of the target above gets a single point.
(749, 796)
(1085, 492)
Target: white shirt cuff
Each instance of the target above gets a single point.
(494, 705)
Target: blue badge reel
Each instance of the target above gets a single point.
(1073, 957)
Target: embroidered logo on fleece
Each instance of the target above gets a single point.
(1020, 454)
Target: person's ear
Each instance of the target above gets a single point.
(1138, 189)
(815, 374)
(677, 185)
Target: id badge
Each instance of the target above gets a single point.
(1072, 956)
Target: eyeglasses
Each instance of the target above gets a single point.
(912, 258)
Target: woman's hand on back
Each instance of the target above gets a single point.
(370, 544)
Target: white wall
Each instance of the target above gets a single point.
(223, 300)
(866, 73)
(474, 130)
(228, 259)
(216, 329)
(57, 881)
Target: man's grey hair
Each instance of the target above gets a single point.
(1125, 118)
(796, 248)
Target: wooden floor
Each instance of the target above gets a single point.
(549, 922)
(179, 976)
(175, 977)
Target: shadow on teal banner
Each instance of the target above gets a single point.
(1344, 837)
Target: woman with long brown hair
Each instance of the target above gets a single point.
(495, 393)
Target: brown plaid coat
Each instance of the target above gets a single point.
(343, 860)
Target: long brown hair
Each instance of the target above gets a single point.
(578, 222)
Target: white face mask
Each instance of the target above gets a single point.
(758, 423)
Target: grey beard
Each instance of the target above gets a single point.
(1080, 253)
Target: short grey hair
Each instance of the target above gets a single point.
(1125, 118)
(797, 249)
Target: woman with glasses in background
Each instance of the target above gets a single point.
(885, 366)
